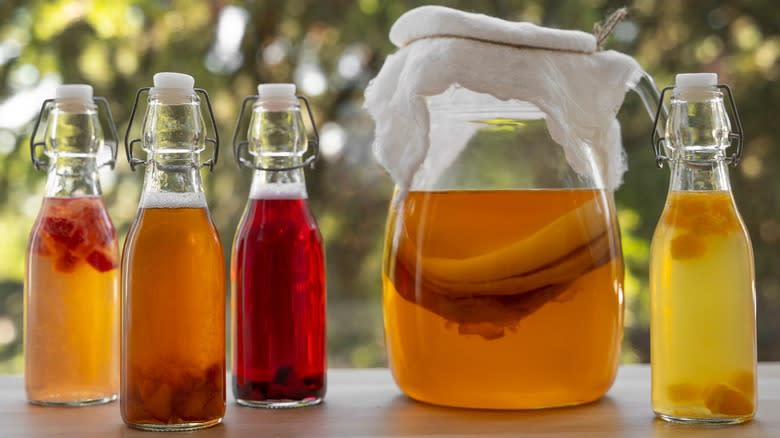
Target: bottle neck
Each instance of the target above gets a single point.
(277, 139)
(173, 174)
(697, 132)
(73, 139)
(173, 139)
(699, 175)
(73, 176)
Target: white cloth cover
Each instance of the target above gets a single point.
(578, 89)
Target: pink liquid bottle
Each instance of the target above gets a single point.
(277, 266)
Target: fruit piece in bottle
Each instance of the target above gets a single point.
(174, 332)
(279, 304)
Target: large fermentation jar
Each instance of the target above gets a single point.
(503, 273)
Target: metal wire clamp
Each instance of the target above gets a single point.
(111, 142)
(738, 136)
(130, 144)
(240, 148)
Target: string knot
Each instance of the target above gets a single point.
(603, 29)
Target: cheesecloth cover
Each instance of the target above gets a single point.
(577, 87)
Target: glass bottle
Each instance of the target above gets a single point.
(702, 298)
(71, 299)
(277, 264)
(173, 334)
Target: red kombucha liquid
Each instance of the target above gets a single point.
(278, 304)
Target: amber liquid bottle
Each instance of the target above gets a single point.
(173, 334)
(71, 300)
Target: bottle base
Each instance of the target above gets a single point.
(177, 427)
(74, 403)
(715, 421)
(280, 404)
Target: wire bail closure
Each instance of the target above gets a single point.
(46, 109)
(130, 144)
(240, 148)
(738, 136)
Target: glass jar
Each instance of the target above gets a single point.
(503, 273)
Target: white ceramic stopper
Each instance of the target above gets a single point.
(169, 80)
(696, 80)
(276, 91)
(80, 92)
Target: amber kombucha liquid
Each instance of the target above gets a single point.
(702, 311)
(174, 327)
(503, 299)
(72, 304)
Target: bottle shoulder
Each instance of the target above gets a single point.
(184, 227)
(695, 223)
(278, 218)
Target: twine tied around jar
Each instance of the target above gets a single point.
(603, 29)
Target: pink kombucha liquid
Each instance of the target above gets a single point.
(278, 305)
(71, 304)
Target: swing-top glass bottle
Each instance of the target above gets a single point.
(702, 298)
(173, 334)
(71, 299)
(278, 270)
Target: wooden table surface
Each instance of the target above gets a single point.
(366, 403)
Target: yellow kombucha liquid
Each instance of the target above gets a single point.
(507, 299)
(71, 304)
(702, 310)
(173, 365)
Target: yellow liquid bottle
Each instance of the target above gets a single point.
(702, 298)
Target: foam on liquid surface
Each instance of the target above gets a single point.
(278, 190)
(173, 200)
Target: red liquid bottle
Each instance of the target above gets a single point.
(278, 271)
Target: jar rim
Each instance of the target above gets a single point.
(461, 103)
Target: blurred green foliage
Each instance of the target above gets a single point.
(331, 49)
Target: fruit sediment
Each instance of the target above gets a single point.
(703, 315)
(516, 295)
(173, 364)
(72, 303)
(279, 304)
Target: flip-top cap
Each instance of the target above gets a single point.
(696, 80)
(78, 92)
(276, 91)
(169, 80)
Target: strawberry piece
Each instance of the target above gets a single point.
(101, 262)
(64, 231)
(76, 239)
(58, 228)
(66, 262)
